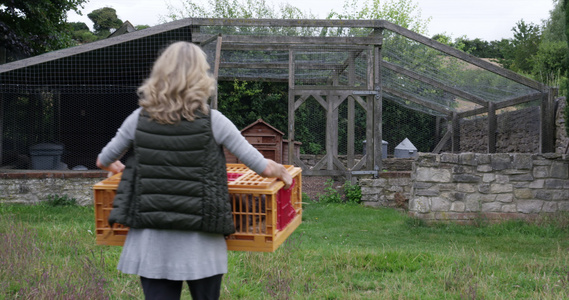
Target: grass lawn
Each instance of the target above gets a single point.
(339, 251)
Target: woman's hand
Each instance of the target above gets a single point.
(114, 168)
(277, 170)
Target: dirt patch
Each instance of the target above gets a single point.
(314, 186)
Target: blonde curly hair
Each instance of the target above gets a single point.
(179, 85)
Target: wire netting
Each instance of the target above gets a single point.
(59, 113)
(76, 98)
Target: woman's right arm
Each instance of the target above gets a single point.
(228, 135)
(109, 157)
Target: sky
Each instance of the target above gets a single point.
(488, 20)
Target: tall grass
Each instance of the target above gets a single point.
(340, 251)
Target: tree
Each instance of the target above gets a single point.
(81, 34)
(551, 60)
(404, 13)
(526, 43)
(35, 27)
(104, 19)
(247, 9)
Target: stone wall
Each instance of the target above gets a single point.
(391, 189)
(517, 131)
(32, 187)
(467, 186)
(561, 139)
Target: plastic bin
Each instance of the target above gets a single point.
(265, 215)
(405, 149)
(383, 148)
(46, 156)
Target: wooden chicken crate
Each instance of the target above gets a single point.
(264, 213)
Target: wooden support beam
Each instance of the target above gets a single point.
(293, 41)
(503, 104)
(548, 121)
(492, 127)
(273, 23)
(377, 109)
(331, 130)
(455, 133)
(443, 141)
(351, 113)
(291, 107)
(436, 107)
(216, 69)
(465, 57)
(435, 83)
(300, 66)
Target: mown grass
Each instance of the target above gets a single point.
(340, 251)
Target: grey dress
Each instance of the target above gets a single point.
(175, 254)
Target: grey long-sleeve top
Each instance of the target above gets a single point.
(176, 254)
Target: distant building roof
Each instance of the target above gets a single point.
(126, 27)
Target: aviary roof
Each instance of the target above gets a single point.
(416, 72)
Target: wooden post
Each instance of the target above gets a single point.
(548, 121)
(1, 127)
(216, 70)
(377, 108)
(369, 112)
(331, 134)
(492, 127)
(455, 133)
(291, 97)
(351, 115)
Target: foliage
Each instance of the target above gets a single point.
(60, 200)
(331, 195)
(140, 27)
(550, 61)
(248, 9)
(244, 102)
(352, 193)
(81, 34)
(481, 48)
(35, 27)
(404, 13)
(526, 43)
(104, 19)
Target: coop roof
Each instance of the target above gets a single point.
(415, 71)
(262, 122)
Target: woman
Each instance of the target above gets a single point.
(181, 184)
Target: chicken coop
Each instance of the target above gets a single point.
(347, 81)
(268, 140)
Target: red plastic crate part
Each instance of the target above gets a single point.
(233, 176)
(285, 211)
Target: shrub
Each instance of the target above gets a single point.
(352, 193)
(57, 200)
(330, 195)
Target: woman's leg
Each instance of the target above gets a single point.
(206, 288)
(161, 289)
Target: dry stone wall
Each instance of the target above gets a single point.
(466, 186)
(391, 189)
(517, 131)
(34, 187)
